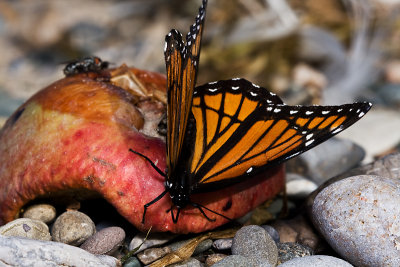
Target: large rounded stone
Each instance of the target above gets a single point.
(25, 227)
(73, 228)
(360, 218)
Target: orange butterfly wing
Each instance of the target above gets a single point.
(241, 128)
(182, 63)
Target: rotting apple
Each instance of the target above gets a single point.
(73, 138)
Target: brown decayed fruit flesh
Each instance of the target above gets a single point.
(73, 137)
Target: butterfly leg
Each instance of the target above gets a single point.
(149, 160)
(201, 207)
(151, 203)
(175, 219)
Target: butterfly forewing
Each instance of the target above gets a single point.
(242, 128)
(182, 63)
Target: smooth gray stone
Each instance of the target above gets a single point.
(359, 218)
(154, 239)
(297, 186)
(223, 244)
(191, 262)
(272, 232)
(132, 262)
(203, 246)
(106, 241)
(24, 227)
(316, 261)
(233, 260)
(387, 166)
(73, 228)
(253, 241)
(19, 251)
(327, 160)
(41, 212)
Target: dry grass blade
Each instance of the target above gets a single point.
(186, 251)
(133, 251)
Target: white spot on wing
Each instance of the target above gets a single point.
(235, 87)
(310, 142)
(253, 94)
(361, 114)
(309, 112)
(269, 108)
(276, 110)
(293, 111)
(249, 170)
(338, 129)
(324, 112)
(212, 89)
(255, 85)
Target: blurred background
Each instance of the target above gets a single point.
(306, 51)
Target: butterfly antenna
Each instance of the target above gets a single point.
(149, 160)
(201, 207)
(151, 203)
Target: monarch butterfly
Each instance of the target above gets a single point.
(222, 132)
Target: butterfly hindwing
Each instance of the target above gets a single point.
(182, 61)
(241, 128)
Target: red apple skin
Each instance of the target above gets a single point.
(76, 134)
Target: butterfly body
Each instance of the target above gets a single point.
(227, 131)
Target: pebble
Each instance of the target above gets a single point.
(252, 241)
(327, 160)
(272, 232)
(73, 228)
(191, 262)
(288, 251)
(233, 260)
(106, 241)
(299, 230)
(214, 258)
(387, 166)
(17, 251)
(41, 212)
(152, 254)
(28, 228)
(359, 218)
(155, 239)
(223, 244)
(298, 186)
(201, 247)
(132, 262)
(316, 261)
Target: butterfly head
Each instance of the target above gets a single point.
(180, 195)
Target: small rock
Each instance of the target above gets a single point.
(233, 260)
(253, 240)
(288, 251)
(317, 260)
(41, 212)
(105, 241)
(214, 258)
(201, 247)
(327, 160)
(191, 262)
(155, 239)
(223, 244)
(152, 254)
(28, 228)
(272, 232)
(132, 262)
(73, 228)
(359, 218)
(17, 251)
(298, 187)
(299, 230)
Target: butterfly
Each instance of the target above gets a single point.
(227, 131)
